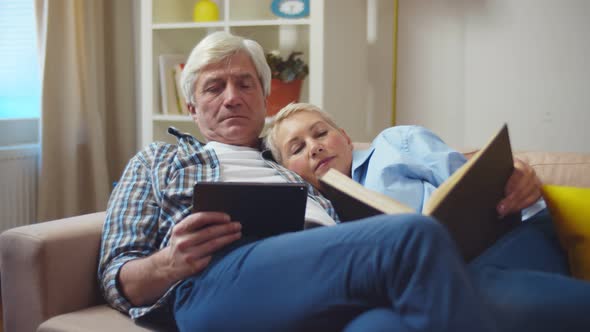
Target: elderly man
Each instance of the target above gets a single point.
(158, 259)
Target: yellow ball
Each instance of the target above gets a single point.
(205, 11)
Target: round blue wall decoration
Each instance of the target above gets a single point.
(290, 8)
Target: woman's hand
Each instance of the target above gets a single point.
(522, 189)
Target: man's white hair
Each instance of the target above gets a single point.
(286, 112)
(215, 48)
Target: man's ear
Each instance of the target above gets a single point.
(192, 110)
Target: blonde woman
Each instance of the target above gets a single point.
(524, 276)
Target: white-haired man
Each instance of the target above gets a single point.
(385, 273)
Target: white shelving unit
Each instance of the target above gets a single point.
(333, 40)
(166, 27)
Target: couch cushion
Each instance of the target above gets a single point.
(99, 318)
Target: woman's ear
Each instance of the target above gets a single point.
(348, 140)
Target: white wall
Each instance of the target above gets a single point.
(356, 64)
(466, 66)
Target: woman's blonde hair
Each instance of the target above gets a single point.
(285, 113)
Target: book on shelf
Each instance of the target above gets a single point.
(263, 209)
(168, 90)
(180, 100)
(465, 203)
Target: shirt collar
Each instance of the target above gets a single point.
(360, 157)
(189, 144)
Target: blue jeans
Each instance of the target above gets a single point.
(524, 279)
(386, 273)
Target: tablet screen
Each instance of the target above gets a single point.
(263, 209)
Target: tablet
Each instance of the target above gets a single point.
(263, 209)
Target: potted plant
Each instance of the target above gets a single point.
(287, 78)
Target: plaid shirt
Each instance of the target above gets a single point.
(154, 193)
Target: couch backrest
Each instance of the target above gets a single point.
(561, 168)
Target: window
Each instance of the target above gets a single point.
(20, 86)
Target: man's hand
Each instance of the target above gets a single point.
(195, 239)
(192, 243)
(522, 189)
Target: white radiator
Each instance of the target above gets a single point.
(18, 185)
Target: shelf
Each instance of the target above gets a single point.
(253, 23)
(220, 24)
(187, 25)
(172, 118)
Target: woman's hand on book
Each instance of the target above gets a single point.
(522, 189)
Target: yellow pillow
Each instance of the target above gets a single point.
(570, 209)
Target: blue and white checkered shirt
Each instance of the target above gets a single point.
(154, 193)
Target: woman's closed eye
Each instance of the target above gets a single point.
(321, 133)
(296, 148)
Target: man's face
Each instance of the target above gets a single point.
(310, 146)
(230, 105)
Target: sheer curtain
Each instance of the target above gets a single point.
(87, 117)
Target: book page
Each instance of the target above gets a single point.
(348, 186)
(446, 187)
(443, 190)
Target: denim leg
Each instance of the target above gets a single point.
(322, 279)
(531, 246)
(525, 281)
(527, 300)
(375, 320)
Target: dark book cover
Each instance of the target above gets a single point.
(347, 207)
(468, 206)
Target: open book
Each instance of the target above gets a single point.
(465, 203)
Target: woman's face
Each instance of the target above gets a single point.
(310, 146)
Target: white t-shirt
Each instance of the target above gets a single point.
(245, 164)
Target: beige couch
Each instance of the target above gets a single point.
(48, 270)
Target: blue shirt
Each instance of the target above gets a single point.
(408, 163)
(154, 193)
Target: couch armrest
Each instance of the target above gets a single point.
(49, 269)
